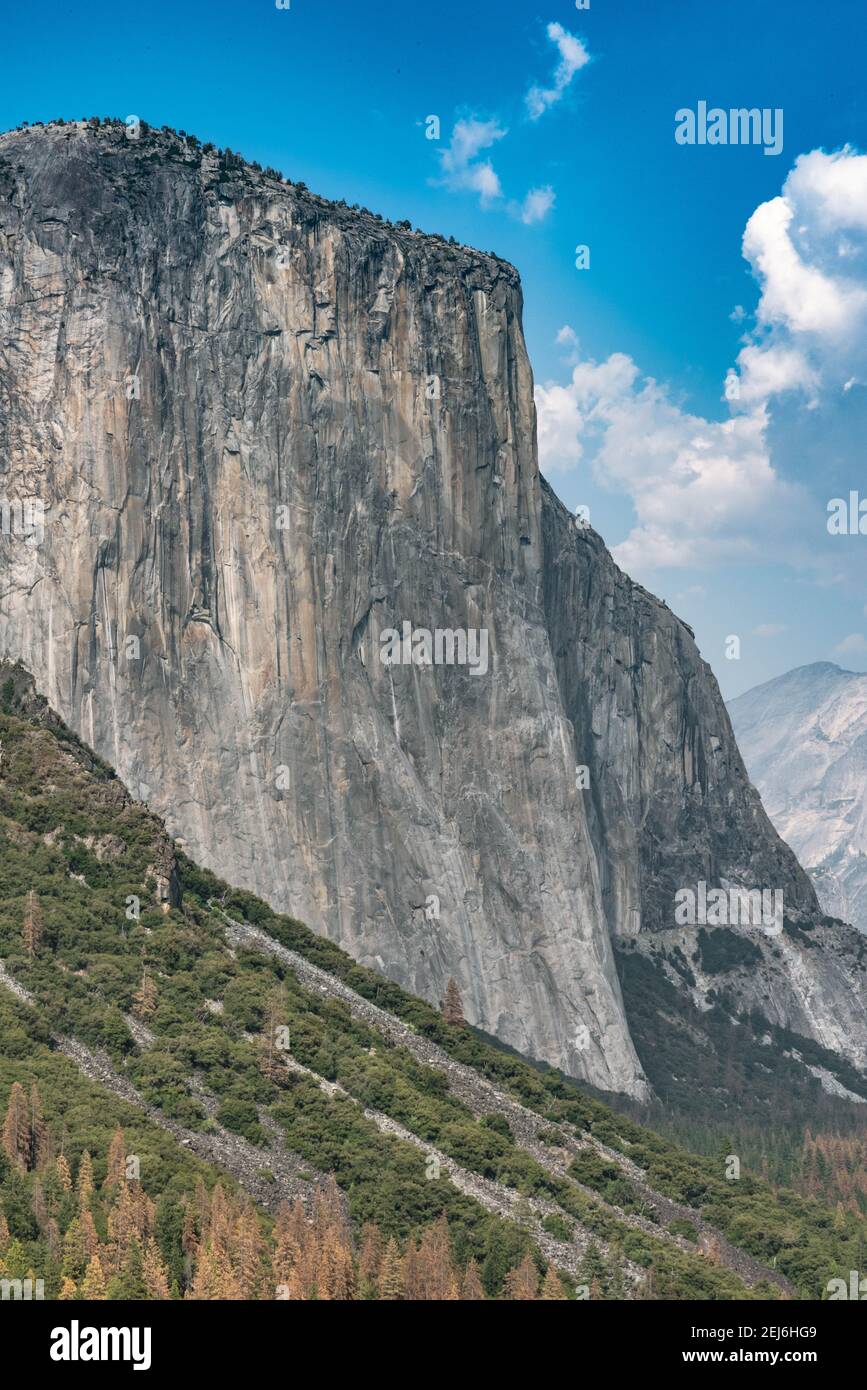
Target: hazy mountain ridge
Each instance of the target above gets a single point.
(804, 739)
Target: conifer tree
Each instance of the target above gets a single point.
(471, 1288)
(38, 1206)
(64, 1175)
(290, 1259)
(412, 1273)
(453, 1011)
(130, 1282)
(116, 1172)
(248, 1250)
(369, 1259)
(39, 1138)
(189, 1236)
(34, 925)
(52, 1238)
(594, 1272)
(67, 1289)
(214, 1279)
(436, 1276)
(93, 1286)
(155, 1277)
(144, 1001)
(616, 1283)
(391, 1274)
(79, 1244)
(552, 1288)
(17, 1138)
(123, 1227)
(84, 1183)
(522, 1284)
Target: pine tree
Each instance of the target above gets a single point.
(4, 1231)
(130, 1282)
(52, 1238)
(93, 1286)
(124, 1226)
(329, 1245)
(67, 1289)
(63, 1174)
(116, 1173)
(522, 1284)
(335, 1277)
(369, 1259)
(155, 1277)
(144, 1001)
(203, 1207)
(220, 1222)
(289, 1260)
(412, 1274)
(214, 1279)
(248, 1251)
(593, 1272)
(17, 1139)
(79, 1244)
(471, 1288)
(436, 1274)
(34, 925)
(84, 1183)
(617, 1284)
(39, 1137)
(391, 1274)
(189, 1235)
(38, 1206)
(552, 1288)
(453, 1011)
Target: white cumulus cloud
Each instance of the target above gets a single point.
(808, 251)
(706, 491)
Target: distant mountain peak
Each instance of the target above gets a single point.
(803, 737)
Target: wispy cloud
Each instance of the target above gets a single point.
(853, 645)
(462, 165)
(573, 57)
(537, 204)
(462, 170)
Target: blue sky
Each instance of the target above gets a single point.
(726, 521)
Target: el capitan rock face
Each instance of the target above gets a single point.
(224, 390)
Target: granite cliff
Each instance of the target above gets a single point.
(266, 430)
